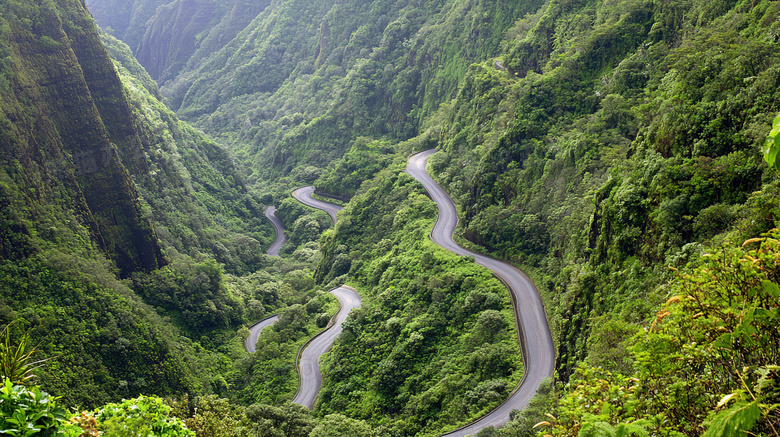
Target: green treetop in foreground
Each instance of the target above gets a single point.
(707, 364)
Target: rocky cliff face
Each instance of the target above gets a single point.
(167, 35)
(68, 141)
(171, 36)
(126, 18)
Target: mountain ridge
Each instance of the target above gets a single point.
(595, 144)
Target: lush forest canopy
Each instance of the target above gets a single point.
(616, 151)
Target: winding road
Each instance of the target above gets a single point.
(254, 331)
(251, 342)
(534, 332)
(532, 327)
(303, 195)
(309, 365)
(270, 214)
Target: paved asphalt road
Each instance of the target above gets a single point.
(270, 214)
(538, 348)
(309, 368)
(303, 195)
(254, 332)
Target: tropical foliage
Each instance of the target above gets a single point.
(29, 411)
(772, 145)
(597, 168)
(706, 365)
(18, 361)
(140, 416)
(594, 144)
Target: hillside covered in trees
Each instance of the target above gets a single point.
(614, 151)
(132, 247)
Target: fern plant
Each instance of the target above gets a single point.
(749, 406)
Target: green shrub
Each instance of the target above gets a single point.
(322, 320)
(142, 416)
(50, 44)
(29, 411)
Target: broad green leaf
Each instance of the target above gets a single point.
(775, 127)
(8, 389)
(735, 421)
(596, 429)
(723, 342)
(772, 144)
(627, 429)
(770, 150)
(764, 316)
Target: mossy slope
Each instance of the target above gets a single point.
(66, 128)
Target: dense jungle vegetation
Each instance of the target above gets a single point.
(111, 334)
(611, 149)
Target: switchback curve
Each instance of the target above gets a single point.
(254, 331)
(303, 195)
(532, 327)
(309, 365)
(270, 214)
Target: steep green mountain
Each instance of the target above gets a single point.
(183, 33)
(68, 137)
(593, 143)
(197, 198)
(166, 35)
(126, 19)
(69, 204)
(383, 65)
(101, 181)
(601, 154)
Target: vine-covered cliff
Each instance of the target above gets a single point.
(97, 179)
(68, 136)
(595, 144)
(169, 36)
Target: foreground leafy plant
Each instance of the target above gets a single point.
(29, 411)
(750, 406)
(772, 145)
(707, 365)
